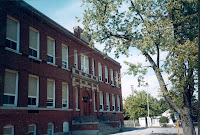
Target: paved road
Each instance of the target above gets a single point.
(150, 131)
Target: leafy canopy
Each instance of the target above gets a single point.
(135, 105)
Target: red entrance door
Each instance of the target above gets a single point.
(86, 103)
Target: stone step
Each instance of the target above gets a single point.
(105, 129)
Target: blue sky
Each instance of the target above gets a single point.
(64, 12)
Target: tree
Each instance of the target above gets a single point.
(135, 105)
(154, 27)
(164, 119)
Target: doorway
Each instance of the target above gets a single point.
(86, 103)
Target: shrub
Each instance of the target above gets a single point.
(164, 119)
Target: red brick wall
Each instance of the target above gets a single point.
(25, 66)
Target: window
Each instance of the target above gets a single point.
(65, 127)
(32, 129)
(50, 93)
(33, 43)
(108, 101)
(84, 64)
(33, 90)
(76, 59)
(117, 79)
(12, 33)
(50, 50)
(65, 95)
(50, 130)
(106, 74)
(101, 100)
(100, 71)
(93, 69)
(10, 88)
(64, 56)
(94, 99)
(111, 76)
(76, 98)
(8, 130)
(118, 103)
(113, 102)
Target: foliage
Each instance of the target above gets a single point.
(135, 105)
(162, 30)
(164, 119)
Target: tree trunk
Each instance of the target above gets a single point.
(187, 124)
(146, 121)
(185, 112)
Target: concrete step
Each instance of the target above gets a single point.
(105, 129)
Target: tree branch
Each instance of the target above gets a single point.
(161, 82)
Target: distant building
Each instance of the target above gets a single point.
(52, 82)
(154, 121)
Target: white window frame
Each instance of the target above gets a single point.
(76, 102)
(101, 101)
(112, 77)
(66, 66)
(106, 74)
(76, 59)
(37, 97)
(12, 129)
(52, 129)
(18, 34)
(53, 94)
(118, 103)
(113, 102)
(93, 68)
(108, 101)
(100, 71)
(84, 67)
(34, 133)
(54, 51)
(16, 89)
(38, 42)
(66, 100)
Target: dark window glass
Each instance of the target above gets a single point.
(11, 44)
(8, 99)
(50, 59)
(31, 101)
(32, 52)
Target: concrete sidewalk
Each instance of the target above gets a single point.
(150, 131)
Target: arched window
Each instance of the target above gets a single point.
(32, 129)
(50, 130)
(8, 130)
(65, 126)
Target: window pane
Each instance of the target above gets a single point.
(86, 65)
(8, 130)
(32, 86)
(11, 44)
(33, 39)
(8, 99)
(82, 63)
(64, 53)
(50, 88)
(31, 128)
(11, 29)
(10, 82)
(64, 91)
(50, 59)
(76, 59)
(50, 47)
